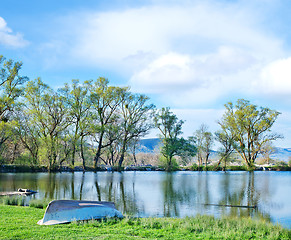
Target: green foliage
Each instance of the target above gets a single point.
(136, 120)
(204, 141)
(105, 103)
(10, 86)
(78, 104)
(249, 125)
(226, 139)
(37, 203)
(238, 168)
(10, 89)
(12, 200)
(209, 168)
(164, 164)
(171, 128)
(97, 121)
(49, 116)
(281, 166)
(194, 167)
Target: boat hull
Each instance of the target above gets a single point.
(64, 211)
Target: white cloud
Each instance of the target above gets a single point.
(109, 38)
(276, 78)
(186, 80)
(188, 54)
(8, 38)
(195, 117)
(167, 72)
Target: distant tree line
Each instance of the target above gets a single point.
(94, 121)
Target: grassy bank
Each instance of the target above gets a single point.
(20, 223)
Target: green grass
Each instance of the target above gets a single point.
(37, 203)
(20, 223)
(12, 200)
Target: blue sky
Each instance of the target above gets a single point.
(192, 56)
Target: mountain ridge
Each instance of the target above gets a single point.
(151, 145)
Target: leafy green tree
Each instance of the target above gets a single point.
(76, 97)
(204, 141)
(49, 114)
(136, 120)
(113, 142)
(171, 128)
(10, 89)
(250, 125)
(105, 100)
(28, 134)
(226, 139)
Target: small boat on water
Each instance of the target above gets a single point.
(20, 191)
(64, 211)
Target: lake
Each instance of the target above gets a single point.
(162, 194)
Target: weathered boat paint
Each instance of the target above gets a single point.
(64, 211)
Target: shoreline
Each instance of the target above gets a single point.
(147, 168)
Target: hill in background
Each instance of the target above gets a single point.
(152, 145)
(149, 145)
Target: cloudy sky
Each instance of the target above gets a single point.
(191, 56)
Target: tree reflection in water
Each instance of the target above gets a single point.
(176, 194)
(113, 188)
(242, 192)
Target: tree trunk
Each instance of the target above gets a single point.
(74, 143)
(169, 167)
(134, 155)
(98, 153)
(82, 155)
(73, 153)
(121, 159)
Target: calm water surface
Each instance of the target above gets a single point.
(159, 194)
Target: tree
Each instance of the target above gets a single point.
(49, 115)
(266, 150)
(28, 133)
(136, 120)
(204, 141)
(133, 147)
(227, 141)
(250, 125)
(105, 101)
(171, 128)
(10, 90)
(113, 140)
(78, 104)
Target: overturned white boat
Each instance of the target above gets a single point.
(64, 211)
